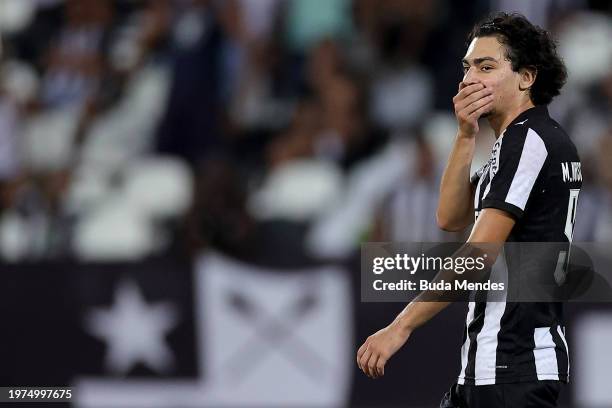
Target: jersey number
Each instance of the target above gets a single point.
(570, 221)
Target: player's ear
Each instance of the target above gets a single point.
(527, 77)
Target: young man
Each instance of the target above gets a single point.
(514, 354)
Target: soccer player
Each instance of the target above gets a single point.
(514, 354)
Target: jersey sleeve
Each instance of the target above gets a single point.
(518, 160)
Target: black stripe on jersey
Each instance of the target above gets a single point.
(473, 331)
(528, 364)
(507, 340)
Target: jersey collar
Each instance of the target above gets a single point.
(540, 110)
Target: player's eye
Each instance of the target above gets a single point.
(465, 69)
(486, 68)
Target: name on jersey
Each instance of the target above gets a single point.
(571, 171)
(494, 162)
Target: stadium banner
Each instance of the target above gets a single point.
(158, 333)
(221, 332)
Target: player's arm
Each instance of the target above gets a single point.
(492, 226)
(456, 204)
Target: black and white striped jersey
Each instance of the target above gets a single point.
(534, 175)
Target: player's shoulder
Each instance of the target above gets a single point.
(539, 128)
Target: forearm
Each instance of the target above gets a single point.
(429, 302)
(455, 206)
(417, 313)
(490, 233)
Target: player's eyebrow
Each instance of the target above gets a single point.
(478, 60)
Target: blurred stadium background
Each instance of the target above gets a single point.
(184, 186)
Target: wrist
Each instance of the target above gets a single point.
(403, 325)
(463, 135)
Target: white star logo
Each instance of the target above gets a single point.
(134, 330)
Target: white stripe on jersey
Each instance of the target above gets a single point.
(562, 335)
(544, 354)
(532, 159)
(466, 345)
(486, 351)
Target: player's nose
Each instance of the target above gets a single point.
(469, 77)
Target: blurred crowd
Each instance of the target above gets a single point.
(286, 129)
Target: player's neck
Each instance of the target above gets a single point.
(499, 122)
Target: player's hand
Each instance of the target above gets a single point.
(378, 349)
(472, 100)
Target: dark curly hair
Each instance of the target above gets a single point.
(527, 46)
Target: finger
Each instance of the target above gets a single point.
(468, 110)
(466, 91)
(363, 361)
(468, 114)
(371, 365)
(480, 111)
(362, 350)
(380, 366)
(462, 103)
(478, 105)
(360, 353)
(374, 363)
(463, 84)
(473, 97)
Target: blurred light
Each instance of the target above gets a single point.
(19, 80)
(15, 15)
(298, 191)
(48, 139)
(585, 45)
(439, 131)
(158, 187)
(114, 232)
(592, 360)
(14, 240)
